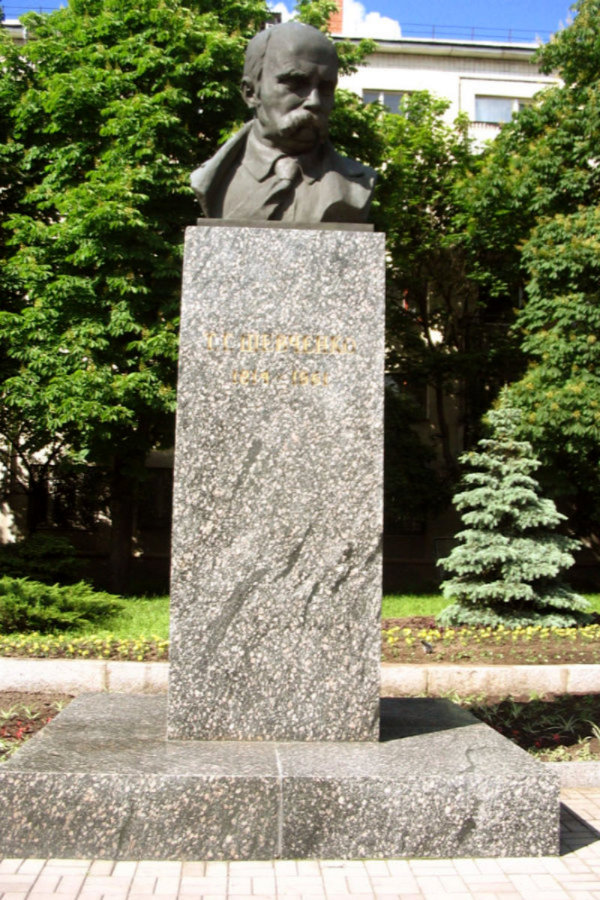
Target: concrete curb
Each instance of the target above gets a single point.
(576, 774)
(76, 676)
(413, 680)
(79, 676)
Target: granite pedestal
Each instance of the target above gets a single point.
(275, 746)
(101, 780)
(277, 518)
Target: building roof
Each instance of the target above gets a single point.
(451, 47)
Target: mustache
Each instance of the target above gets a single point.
(303, 118)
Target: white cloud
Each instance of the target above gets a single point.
(357, 21)
(286, 15)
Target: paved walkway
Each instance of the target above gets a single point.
(574, 875)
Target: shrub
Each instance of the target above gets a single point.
(43, 557)
(32, 606)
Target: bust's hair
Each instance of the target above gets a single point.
(257, 47)
(255, 55)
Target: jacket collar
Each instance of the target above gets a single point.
(260, 160)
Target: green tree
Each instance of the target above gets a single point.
(106, 110)
(560, 391)
(507, 566)
(533, 232)
(444, 359)
(13, 184)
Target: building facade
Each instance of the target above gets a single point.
(486, 81)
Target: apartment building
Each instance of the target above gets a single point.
(487, 80)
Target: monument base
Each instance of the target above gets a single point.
(102, 781)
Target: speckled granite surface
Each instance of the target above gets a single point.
(101, 780)
(276, 573)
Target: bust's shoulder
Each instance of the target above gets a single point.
(213, 169)
(346, 188)
(351, 169)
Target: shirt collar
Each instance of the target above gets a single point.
(260, 160)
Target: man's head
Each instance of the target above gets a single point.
(289, 80)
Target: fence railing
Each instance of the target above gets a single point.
(475, 33)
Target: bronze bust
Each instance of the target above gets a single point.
(280, 165)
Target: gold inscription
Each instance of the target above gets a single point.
(263, 342)
(249, 343)
(267, 342)
(298, 377)
(316, 379)
(250, 376)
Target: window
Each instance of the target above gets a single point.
(496, 110)
(390, 99)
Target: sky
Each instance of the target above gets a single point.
(480, 19)
(525, 19)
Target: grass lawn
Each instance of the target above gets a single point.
(150, 616)
(404, 606)
(140, 616)
(140, 631)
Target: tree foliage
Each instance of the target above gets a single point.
(106, 109)
(560, 325)
(506, 568)
(445, 353)
(104, 113)
(560, 392)
(532, 228)
(120, 102)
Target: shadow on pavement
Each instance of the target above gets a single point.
(575, 832)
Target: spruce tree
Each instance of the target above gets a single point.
(506, 568)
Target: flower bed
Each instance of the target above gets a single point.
(152, 649)
(420, 640)
(415, 640)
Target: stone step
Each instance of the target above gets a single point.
(102, 780)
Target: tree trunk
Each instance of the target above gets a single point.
(122, 510)
(37, 500)
(441, 398)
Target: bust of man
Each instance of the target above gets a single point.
(281, 165)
